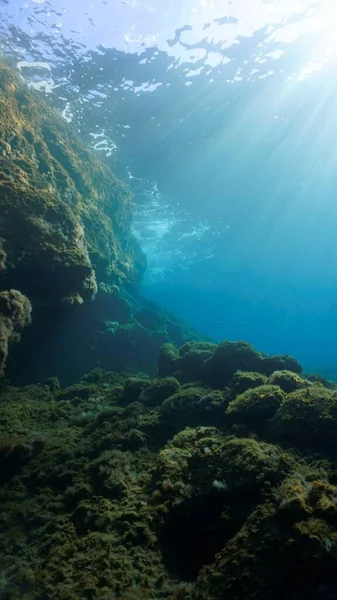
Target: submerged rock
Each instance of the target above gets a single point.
(308, 418)
(65, 218)
(288, 381)
(256, 405)
(193, 471)
(15, 314)
(66, 244)
(217, 365)
(137, 487)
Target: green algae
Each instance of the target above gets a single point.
(137, 487)
(216, 365)
(62, 209)
(256, 405)
(199, 471)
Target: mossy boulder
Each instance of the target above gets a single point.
(15, 314)
(192, 405)
(249, 564)
(228, 358)
(308, 417)
(240, 356)
(307, 491)
(168, 360)
(192, 359)
(210, 462)
(288, 381)
(216, 365)
(256, 405)
(278, 362)
(159, 390)
(244, 380)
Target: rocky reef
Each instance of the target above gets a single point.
(147, 463)
(171, 487)
(66, 245)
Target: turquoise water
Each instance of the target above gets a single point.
(222, 117)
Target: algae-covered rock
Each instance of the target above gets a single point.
(191, 406)
(241, 356)
(288, 381)
(159, 390)
(250, 564)
(210, 462)
(228, 358)
(106, 489)
(278, 362)
(308, 417)
(168, 360)
(206, 485)
(192, 359)
(216, 365)
(256, 405)
(245, 380)
(15, 314)
(64, 217)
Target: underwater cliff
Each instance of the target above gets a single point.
(67, 248)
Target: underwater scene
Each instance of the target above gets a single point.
(168, 300)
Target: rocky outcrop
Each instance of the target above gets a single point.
(66, 244)
(65, 218)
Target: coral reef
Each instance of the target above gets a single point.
(132, 487)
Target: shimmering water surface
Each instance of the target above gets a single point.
(222, 117)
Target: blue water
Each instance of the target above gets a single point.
(222, 117)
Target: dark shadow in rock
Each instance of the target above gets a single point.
(194, 532)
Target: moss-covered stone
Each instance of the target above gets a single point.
(64, 215)
(159, 390)
(97, 497)
(216, 365)
(288, 381)
(256, 405)
(308, 417)
(230, 357)
(192, 405)
(121, 485)
(15, 314)
(168, 360)
(245, 380)
(210, 463)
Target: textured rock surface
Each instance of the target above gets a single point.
(15, 314)
(134, 488)
(64, 217)
(65, 241)
(213, 478)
